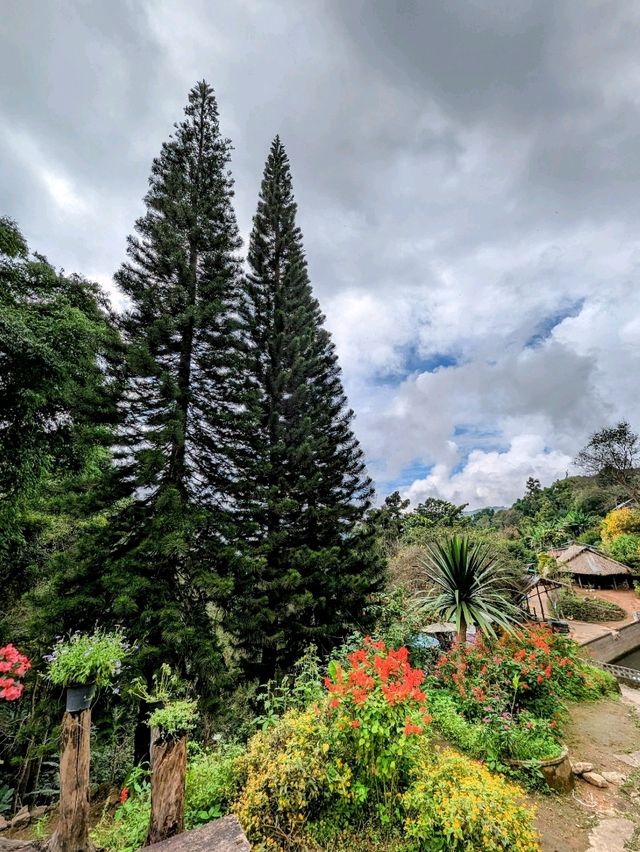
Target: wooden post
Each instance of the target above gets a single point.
(167, 789)
(72, 834)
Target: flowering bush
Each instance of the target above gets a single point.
(532, 669)
(378, 714)
(86, 658)
(13, 665)
(457, 805)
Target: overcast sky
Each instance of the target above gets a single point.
(468, 181)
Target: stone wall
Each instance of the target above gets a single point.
(616, 644)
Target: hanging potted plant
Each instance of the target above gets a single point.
(85, 661)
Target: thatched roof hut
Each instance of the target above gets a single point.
(588, 564)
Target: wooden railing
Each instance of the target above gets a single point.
(622, 673)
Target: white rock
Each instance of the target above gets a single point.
(580, 767)
(4, 825)
(595, 779)
(616, 778)
(611, 835)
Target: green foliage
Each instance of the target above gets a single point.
(59, 382)
(127, 830)
(389, 519)
(625, 548)
(468, 587)
(212, 782)
(498, 736)
(573, 606)
(6, 799)
(165, 686)
(613, 455)
(310, 561)
(456, 805)
(175, 719)
(441, 512)
(294, 692)
(88, 658)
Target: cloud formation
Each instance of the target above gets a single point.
(467, 182)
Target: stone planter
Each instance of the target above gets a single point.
(557, 771)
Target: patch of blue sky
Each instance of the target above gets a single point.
(413, 361)
(545, 326)
(416, 470)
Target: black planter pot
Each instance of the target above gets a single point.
(79, 697)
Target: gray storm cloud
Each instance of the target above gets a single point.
(467, 177)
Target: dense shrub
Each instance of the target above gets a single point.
(580, 608)
(498, 737)
(212, 782)
(626, 548)
(618, 522)
(529, 669)
(127, 830)
(457, 805)
(286, 782)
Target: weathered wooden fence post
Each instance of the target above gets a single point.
(72, 834)
(167, 787)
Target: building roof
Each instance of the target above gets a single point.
(585, 560)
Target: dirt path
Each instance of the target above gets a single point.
(582, 631)
(606, 734)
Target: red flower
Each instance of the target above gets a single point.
(355, 723)
(124, 795)
(14, 665)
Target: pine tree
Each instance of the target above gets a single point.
(154, 565)
(312, 564)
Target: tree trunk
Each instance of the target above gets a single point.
(72, 834)
(167, 789)
(462, 631)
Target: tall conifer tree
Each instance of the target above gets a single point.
(155, 574)
(312, 566)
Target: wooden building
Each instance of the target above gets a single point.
(588, 566)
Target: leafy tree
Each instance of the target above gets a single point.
(59, 382)
(620, 522)
(441, 511)
(388, 520)
(626, 548)
(468, 586)
(576, 521)
(613, 454)
(311, 565)
(530, 503)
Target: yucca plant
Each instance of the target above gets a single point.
(468, 586)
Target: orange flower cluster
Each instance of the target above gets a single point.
(374, 670)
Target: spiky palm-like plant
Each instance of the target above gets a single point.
(468, 586)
